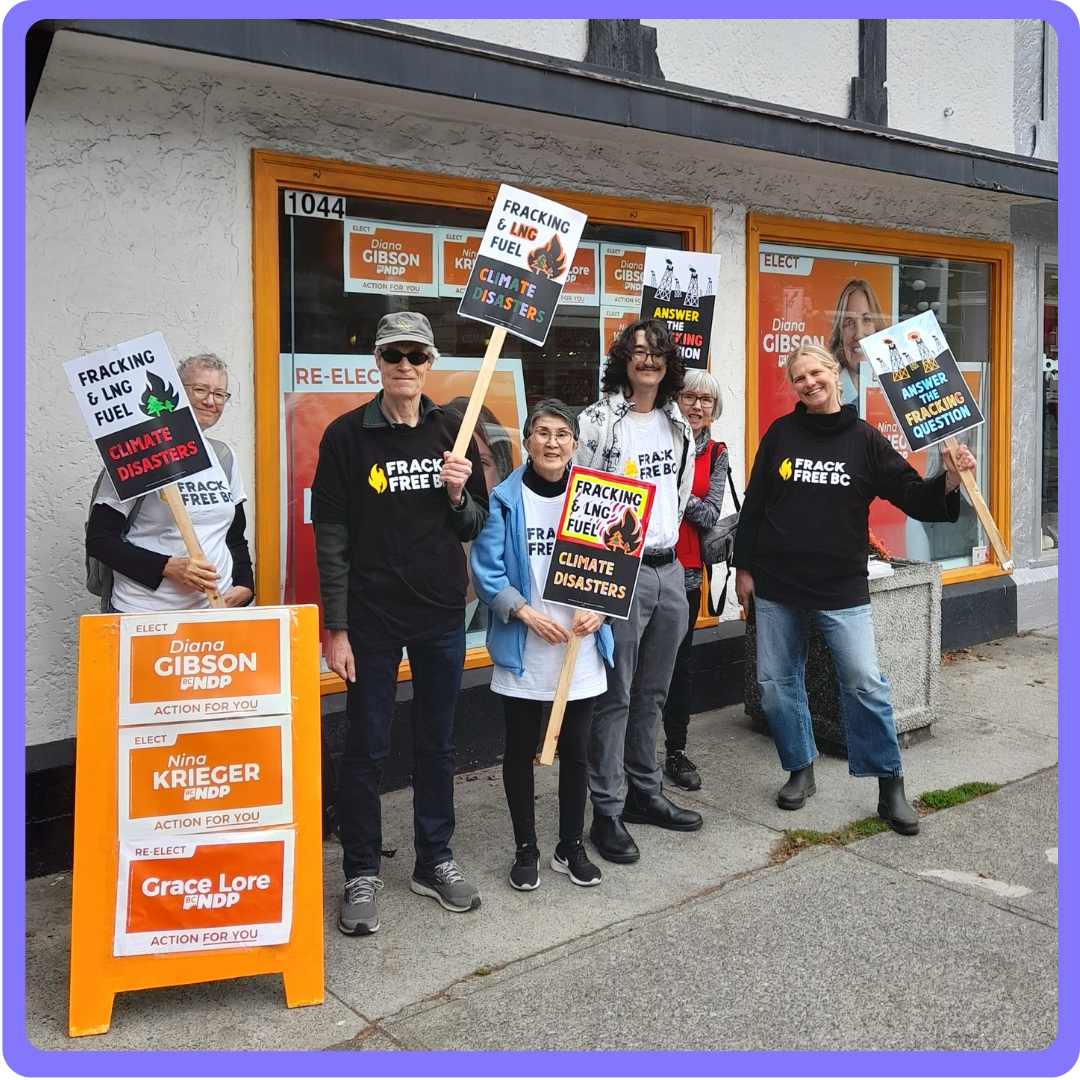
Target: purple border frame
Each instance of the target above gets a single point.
(25, 1059)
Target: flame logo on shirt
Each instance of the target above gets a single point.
(631, 468)
(785, 469)
(377, 479)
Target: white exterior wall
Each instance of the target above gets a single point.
(962, 65)
(565, 38)
(139, 218)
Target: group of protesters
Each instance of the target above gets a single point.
(393, 573)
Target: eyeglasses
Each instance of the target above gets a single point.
(562, 437)
(201, 393)
(395, 356)
(643, 354)
(707, 401)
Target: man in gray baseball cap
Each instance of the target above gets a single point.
(391, 506)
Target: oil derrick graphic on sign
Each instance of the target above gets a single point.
(663, 290)
(652, 282)
(693, 290)
(898, 364)
(929, 359)
(676, 293)
(938, 347)
(708, 288)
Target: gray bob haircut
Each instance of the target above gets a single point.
(701, 381)
(550, 407)
(210, 361)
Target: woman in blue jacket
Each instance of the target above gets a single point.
(526, 638)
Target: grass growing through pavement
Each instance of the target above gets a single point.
(795, 840)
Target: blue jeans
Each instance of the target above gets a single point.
(436, 677)
(865, 708)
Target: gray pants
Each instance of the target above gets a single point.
(628, 715)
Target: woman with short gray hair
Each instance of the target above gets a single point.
(701, 403)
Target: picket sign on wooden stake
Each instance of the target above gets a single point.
(171, 495)
(479, 390)
(967, 478)
(562, 692)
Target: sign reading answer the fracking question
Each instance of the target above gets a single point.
(138, 414)
(921, 382)
(522, 263)
(679, 289)
(601, 537)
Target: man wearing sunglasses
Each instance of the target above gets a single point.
(391, 506)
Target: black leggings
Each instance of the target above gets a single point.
(523, 726)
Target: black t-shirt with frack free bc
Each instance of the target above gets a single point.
(407, 569)
(804, 527)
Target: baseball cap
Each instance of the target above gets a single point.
(404, 326)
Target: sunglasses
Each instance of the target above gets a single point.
(395, 356)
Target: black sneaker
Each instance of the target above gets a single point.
(525, 873)
(570, 858)
(447, 884)
(683, 771)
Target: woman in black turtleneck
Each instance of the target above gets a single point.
(802, 549)
(526, 638)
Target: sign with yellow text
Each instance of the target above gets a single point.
(205, 777)
(202, 665)
(185, 895)
(389, 259)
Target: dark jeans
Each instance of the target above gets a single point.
(436, 678)
(523, 723)
(677, 709)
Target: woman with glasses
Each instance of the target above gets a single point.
(141, 543)
(701, 404)
(527, 638)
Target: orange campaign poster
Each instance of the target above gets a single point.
(183, 778)
(382, 258)
(195, 893)
(582, 288)
(196, 665)
(613, 321)
(622, 272)
(457, 253)
(799, 290)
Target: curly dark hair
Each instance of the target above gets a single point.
(622, 350)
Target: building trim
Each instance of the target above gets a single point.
(399, 56)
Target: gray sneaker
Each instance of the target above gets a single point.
(359, 915)
(447, 884)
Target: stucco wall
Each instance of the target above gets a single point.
(139, 218)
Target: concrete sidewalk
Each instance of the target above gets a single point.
(947, 940)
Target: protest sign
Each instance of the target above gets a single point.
(930, 399)
(679, 289)
(594, 562)
(138, 415)
(520, 269)
(921, 382)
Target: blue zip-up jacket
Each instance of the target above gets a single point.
(501, 578)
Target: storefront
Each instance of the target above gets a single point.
(271, 211)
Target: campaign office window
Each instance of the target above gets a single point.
(384, 241)
(827, 284)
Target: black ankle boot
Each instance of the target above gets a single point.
(799, 788)
(610, 838)
(894, 808)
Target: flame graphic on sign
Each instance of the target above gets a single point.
(631, 469)
(158, 397)
(377, 479)
(549, 259)
(785, 469)
(624, 533)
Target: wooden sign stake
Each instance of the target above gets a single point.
(967, 478)
(562, 692)
(171, 495)
(479, 390)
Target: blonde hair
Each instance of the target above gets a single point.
(836, 334)
(810, 351)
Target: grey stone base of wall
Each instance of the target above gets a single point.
(907, 630)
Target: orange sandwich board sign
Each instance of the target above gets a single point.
(198, 822)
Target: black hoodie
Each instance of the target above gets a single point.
(804, 531)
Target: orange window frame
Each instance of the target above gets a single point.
(273, 171)
(762, 229)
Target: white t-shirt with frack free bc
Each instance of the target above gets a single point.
(648, 452)
(211, 499)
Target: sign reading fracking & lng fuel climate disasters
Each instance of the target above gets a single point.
(204, 665)
(138, 414)
(679, 289)
(522, 263)
(921, 382)
(601, 537)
